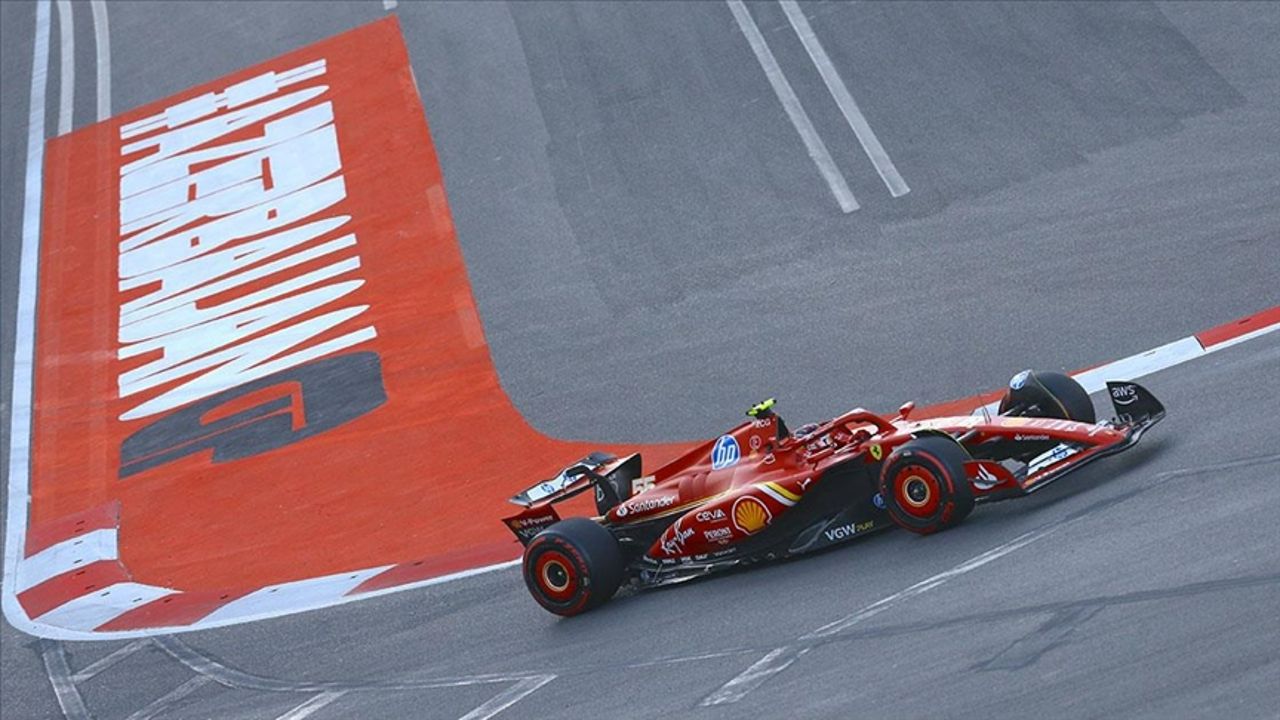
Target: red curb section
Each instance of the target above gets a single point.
(61, 589)
(48, 534)
(1236, 328)
(177, 610)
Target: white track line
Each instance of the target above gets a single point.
(311, 705)
(64, 688)
(24, 328)
(508, 697)
(67, 66)
(165, 703)
(781, 658)
(102, 45)
(103, 663)
(389, 4)
(795, 111)
(848, 107)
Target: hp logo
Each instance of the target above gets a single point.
(725, 453)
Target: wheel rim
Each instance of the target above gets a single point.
(555, 575)
(917, 491)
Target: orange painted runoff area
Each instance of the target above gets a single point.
(421, 478)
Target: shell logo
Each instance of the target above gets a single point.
(750, 515)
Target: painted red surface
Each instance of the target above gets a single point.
(423, 478)
(1236, 328)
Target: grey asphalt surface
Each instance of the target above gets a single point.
(1088, 181)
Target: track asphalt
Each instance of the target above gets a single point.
(652, 250)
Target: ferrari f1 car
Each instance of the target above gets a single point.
(761, 492)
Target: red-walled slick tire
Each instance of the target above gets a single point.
(924, 486)
(573, 566)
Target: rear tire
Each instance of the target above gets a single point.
(924, 485)
(573, 566)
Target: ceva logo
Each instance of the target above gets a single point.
(725, 453)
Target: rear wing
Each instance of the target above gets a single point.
(611, 477)
(569, 482)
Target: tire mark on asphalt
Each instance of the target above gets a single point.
(1055, 631)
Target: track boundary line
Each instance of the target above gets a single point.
(876, 153)
(794, 109)
(102, 48)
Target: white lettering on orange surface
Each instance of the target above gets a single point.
(213, 235)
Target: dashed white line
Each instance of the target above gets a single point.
(102, 45)
(508, 697)
(67, 66)
(389, 4)
(774, 662)
(848, 107)
(795, 111)
(103, 663)
(311, 705)
(166, 702)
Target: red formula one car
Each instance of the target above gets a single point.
(761, 492)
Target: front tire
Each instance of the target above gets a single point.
(924, 485)
(1047, 395)
(573, 566)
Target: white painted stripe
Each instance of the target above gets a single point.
(64, 687)
(66, 556)
(102, 664)
(795, 111)
(848, 107)
(15, 533)
(311, 705)
(289, 597)
(1136, 366)
(508, 697)
(781, 658)
(162, 705)
(389, 4)
(67, 66)
(87, 612)
(766, 667)
(776, 495)
(102, 45)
